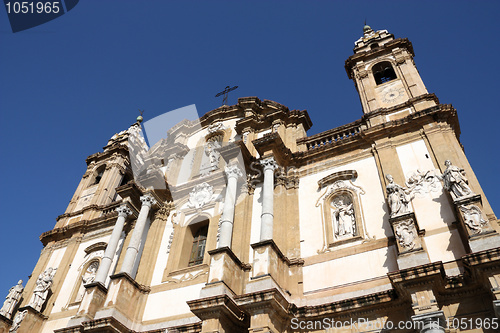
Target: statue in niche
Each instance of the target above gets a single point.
(211, 150)
(406, 234)
(17, 321)
(343, 216)
(398, 197)
(43, 284)
(87, 277)
(12, 299)
(473, 218)
(455, 181)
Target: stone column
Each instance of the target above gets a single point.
(227, 219)
(103, 271)
(135, 241)
(266, 231)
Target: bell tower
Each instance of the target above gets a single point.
(385, 75)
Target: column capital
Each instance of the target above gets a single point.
(432, 322)
(269, 163)
(232, 171)
(123, 211)
(148, 200)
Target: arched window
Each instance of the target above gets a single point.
(98, 175)
(198, 247)
(383, 72)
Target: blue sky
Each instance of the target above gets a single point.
(67, 86)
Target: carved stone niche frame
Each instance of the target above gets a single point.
(407, 233)
(340, 189)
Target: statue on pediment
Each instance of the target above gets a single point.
(398, 197)
(42, 288)
(455, 181)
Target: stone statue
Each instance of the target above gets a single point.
(43, 284)
(343, 216)
(87, 277)
(212, 153)
(17, 321)
(12, 299)
(398, 197)
(455, 181)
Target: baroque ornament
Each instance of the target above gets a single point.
(473, 218)
(423, 182)
(201, 195)
(405, 234)
(215, 127)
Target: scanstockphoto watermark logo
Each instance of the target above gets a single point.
(189, 160)
(360, 325)
(25, 15)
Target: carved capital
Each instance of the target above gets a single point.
(123, 211)
(233, 171)
(162, 214)
(148, 200)
(269, 164)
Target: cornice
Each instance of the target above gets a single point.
(376, 299)
(115, 148)
(378, 52)
(323, 146)
(83, 226)
(272, 143)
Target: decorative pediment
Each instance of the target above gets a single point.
(340, 175)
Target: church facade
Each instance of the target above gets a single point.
(240, 222)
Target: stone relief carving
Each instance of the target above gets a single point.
(170, 239)
(216, 127)
(187, 276)
(43, 284)
(175, 219)
(473, 218)
(406, 233)
(455, 181)
(423, 182)
(12, 299)
(398, 197)
(343, 218)
(201, 195)
(16, 323)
